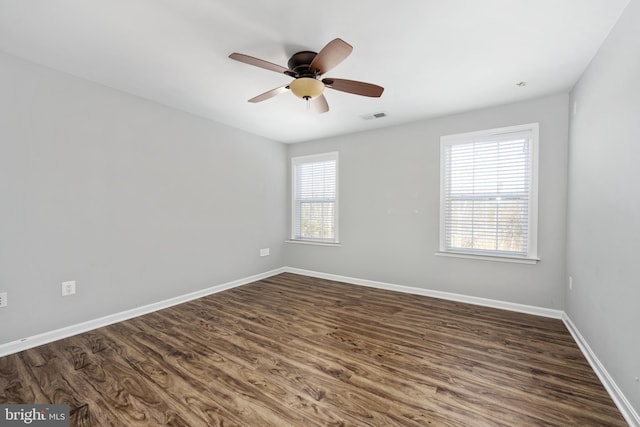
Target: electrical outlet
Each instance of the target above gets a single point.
(68, 288)
(264, 252)
(3, 299)
(570, 283)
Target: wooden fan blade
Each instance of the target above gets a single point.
(260, 63)
(270, 94)
(319, 105)
(331, 55)
(353, 86)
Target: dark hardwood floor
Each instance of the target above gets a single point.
(297, 351)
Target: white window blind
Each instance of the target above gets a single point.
(489, 192)
(315, 198)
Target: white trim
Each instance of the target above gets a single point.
(629, 414)
(312, 158)
(490, 258)
(57, 334)
(511, 306)
(489, 135)
(533, 202)
(312, 242)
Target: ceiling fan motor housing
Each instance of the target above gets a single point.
(300, 63)
(306, 85)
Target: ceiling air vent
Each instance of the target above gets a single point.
(374, 116)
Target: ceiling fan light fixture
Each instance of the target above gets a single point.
(307, 68)
(306, 87)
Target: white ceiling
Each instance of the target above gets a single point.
(434, 57)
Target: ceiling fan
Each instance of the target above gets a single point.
(306, 68)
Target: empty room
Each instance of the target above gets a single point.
(296, 213)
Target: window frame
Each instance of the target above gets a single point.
(306, 159)
(532, 239)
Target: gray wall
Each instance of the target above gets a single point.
(389, 189)
(603, 243)
(136, 202)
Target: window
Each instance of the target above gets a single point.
(315, 198)
(488, 195)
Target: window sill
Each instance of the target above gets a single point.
(312, 242)
(489, 258)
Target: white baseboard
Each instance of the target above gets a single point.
(511, 306)
(50, 336)
(629, 414)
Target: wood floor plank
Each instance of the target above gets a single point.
(292, 350)
(229, 392)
